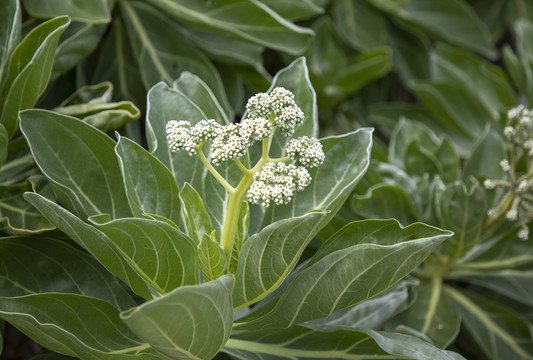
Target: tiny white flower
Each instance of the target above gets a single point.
(308, 151)
(523, 233)
(489, 184)
(179, 136)
(505, 165)
(511, 214)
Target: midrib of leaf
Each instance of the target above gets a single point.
(146, 43)
(295, 354)
(488, 322)
(121, 63)
(436, 287)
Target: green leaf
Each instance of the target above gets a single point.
(161, 56)
(91, 239)
(462, 208)
(29, 70)
(500, 332)
(268, 257)
(516, 284)
(520, 71)
(165, 104)
(483, 79)
(150, 186)
(205, 316)
(484, 159)
(10, 20)
(90, 12)
(347, 158)
(431, 314)
(295, 10)
(52, 356)
(212, 258)
(88, 187)
(51, 265)
(75, 325)
(17, 217)
(79, 40)
(411, 54)
(162, 255)
(358, 24)
(247, 19)
(524, 37)
(195, 216)
(4, 141)
(298, 343)
(361, 260)
(19, 164)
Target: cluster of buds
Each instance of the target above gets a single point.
(517, 203)
(276, 181)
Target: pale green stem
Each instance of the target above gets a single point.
(241, 166)
(212, 170)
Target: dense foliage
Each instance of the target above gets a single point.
(408, 237)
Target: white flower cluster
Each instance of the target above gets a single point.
(280, 103)
(308, 151)
(277, 182)
(519, 129)
(179, 136)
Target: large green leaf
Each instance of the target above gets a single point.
(295, 10)
(4, 143)
(431, 314)
(515, 284)
(29, 70)
(500, 332)
(361, 260)
(347, 158)
(75, 325)
(93, 240)
(484, 159)
(88, 187)
(199, 322)
(165, 104)
(213, 262)
(162, 51)
(195, 216)
(247, 19)
(19, 165)
(162, 255)
(150, 186)
(90, 12)
(298, 343)
(268, 257)
(10, 20)
(37, 265)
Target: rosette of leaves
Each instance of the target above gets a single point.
(137, 217)
(27, 63)
(478, 284)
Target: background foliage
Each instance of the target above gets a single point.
(434, 78)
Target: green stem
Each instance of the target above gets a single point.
(241, 166)
(212, 170)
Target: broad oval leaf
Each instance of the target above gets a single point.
(88, 187)
(38, 265)
(10, 20)
(268, 257)
(162, 255)
(29, 70)
(150, 186)
(361, 260)
(91, 239)
(200, 324)
(212, 258)
(75, 325)
(91, 12)
(247, 19)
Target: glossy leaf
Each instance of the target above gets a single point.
(349, 268)
(500, 332)
(250, 20)
(10, 20)
(165, 104)
(295, 10)
(212, 258)
(269, 256)
(90, 12)
(205, 316)
(431, 314)
(195, 216)
(33, 265)
(333, 181)
(91, 239)
(164, 257)
(359, 25)
(150, 187)
(75, 325)
(89, 187)
(29, 70)
(162, 57)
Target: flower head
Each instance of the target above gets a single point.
(277, 182)
(308, 151)
(179, 136)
